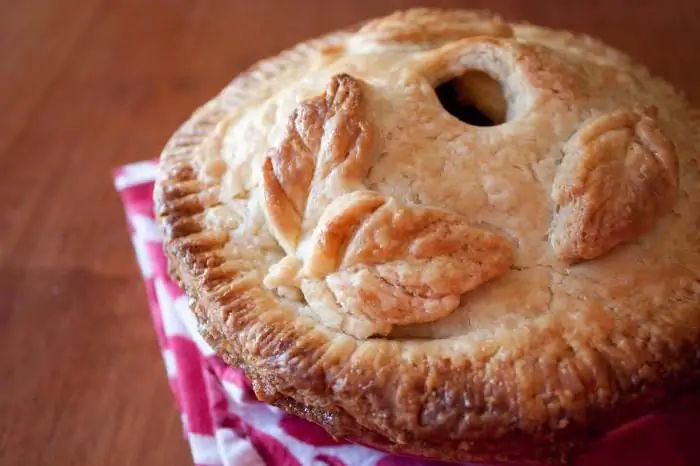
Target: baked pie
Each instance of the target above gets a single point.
(442, 234)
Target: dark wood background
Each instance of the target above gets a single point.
(87, 85)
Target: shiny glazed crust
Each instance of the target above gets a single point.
(568, 294)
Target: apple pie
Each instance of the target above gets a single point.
(445, 235)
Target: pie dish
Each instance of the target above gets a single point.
(445, 235)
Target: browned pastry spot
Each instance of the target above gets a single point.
(324, 134)
(337, 226)
(618, 176)
(398, 264)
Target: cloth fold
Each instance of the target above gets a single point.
(226, 425)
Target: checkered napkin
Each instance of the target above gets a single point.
(226, 425)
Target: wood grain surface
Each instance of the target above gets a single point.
(87, 85)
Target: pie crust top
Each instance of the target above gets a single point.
(423, 282)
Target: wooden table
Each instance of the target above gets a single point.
(87, 85)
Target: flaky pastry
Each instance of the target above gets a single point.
(442, 234)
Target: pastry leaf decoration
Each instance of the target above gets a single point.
(369, 257)
(619, 174)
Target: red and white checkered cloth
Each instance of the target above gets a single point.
(226, 425)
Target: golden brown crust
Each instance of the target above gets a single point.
(397, 264)
(619, 174)
(430, 26)
(381, 262)
(532, 365)
(324, 135)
